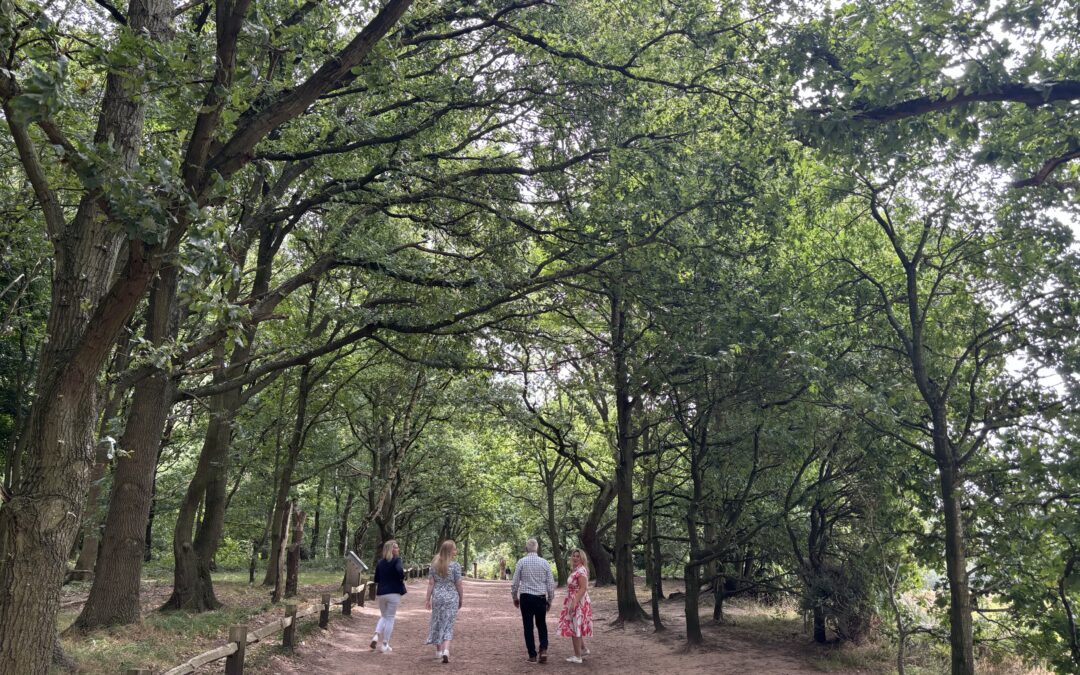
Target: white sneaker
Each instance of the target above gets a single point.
(386, 649)
(585, 652)
(374, 641)
(574, 659)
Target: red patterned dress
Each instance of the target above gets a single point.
(579, 622)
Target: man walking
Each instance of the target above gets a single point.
(533, 589)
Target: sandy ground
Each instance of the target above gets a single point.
(488, 639)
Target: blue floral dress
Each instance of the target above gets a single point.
(444, 605)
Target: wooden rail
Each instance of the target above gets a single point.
(240, 637)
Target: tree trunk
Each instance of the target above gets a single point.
(296, 443)
(590, 538)
(557, 553)
(343, 523)
(691, 569)
(114, 597)
(292, 562)
(283, 538)
(819, 625)
(719, 595)
(148, 539)
(960, 635)
(193, 589)
(693, 620)
(92, 517)
(19, 436)
(315, 526)
(653, 559)
(712, 538)
(37, 527)
(625, 448)
(626, 594)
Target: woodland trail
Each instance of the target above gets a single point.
(488, 639)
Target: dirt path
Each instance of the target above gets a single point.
(488, 639)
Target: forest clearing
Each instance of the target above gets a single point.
(759, 320)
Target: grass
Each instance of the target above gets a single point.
(782, 624)
(923, 657)
(165, 639)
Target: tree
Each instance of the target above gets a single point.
(91, 302)
(940, 300)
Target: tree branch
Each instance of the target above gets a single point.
(1031, 95)
(116, 14)
(237, 151)
(1048, 167)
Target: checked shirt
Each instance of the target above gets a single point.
(532, 576)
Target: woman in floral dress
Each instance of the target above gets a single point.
(575, 620)
(444, 597)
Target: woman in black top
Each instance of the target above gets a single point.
(389, 587)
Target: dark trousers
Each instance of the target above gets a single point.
(534, 609)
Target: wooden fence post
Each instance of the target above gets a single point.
(324, 615)
(234, 663)
(288, 637)
(371, 590)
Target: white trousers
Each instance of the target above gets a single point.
(388, 605)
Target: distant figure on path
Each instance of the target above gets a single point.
(445, 594)
(575, 620)
(533, 589)
(389, 587)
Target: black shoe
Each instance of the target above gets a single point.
(543, 656)
(532, 659)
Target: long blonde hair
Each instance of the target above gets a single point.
(388, 549)
(440, 564)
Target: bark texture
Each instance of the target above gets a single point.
(39, 525)
(92, 519)
(114, 596)
(590, 536)
(625, 447)
(284, 483)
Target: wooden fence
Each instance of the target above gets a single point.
(240, 637)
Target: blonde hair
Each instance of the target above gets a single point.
(440, 564)
(388, 549)
(584, 558)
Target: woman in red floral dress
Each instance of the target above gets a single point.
(575, 620)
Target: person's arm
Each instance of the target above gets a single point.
(430, 589)
(399, 567)
(583, 587)
(514, 583)
(460, 589)
(378, 565)
(550, 587)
